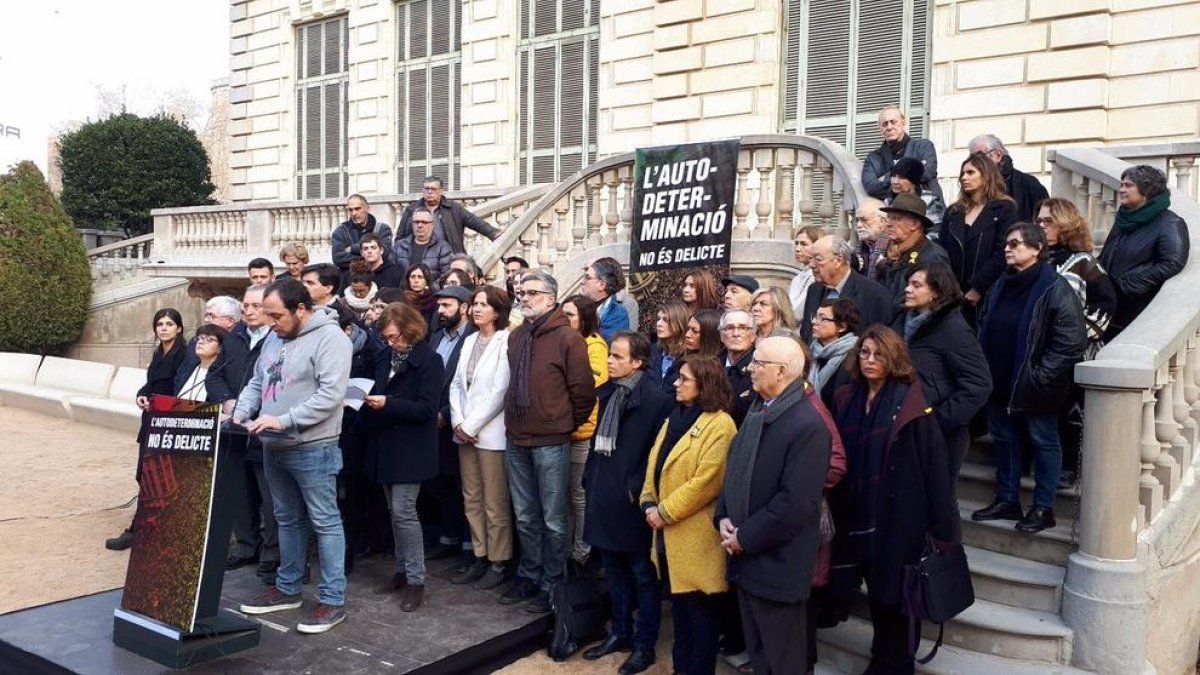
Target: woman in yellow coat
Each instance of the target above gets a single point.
(679, 496)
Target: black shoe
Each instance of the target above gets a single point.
(540, 604)
(998, 510)
(465, 560)
(1038, 519)
(120, 542)
(235, 561)
(610, 645)
(495, 576)
(472, 574)
(398, 582)
(267, 567)
(521, 591)
(639, 660)
(1068, 479)
(440, 550)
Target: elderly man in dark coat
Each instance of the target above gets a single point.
(770, 507)
(633, 409)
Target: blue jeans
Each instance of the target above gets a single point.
(406, 531)
(1010, 433)
(303, 484)
(539, 480)
(630, 576)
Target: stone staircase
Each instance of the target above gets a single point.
(1015, 624)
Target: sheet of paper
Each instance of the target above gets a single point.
(356, 392)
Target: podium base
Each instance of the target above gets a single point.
(214, 637)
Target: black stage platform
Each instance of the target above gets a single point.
(458, 630)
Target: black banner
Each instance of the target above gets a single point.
(683, 205)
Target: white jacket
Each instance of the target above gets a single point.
(480, 407)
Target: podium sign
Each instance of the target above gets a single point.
(181, 533)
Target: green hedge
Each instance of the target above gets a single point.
(45, 282)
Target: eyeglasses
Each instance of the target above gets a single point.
(1044, 221)
(817, 318)
(1013, 243)
(206, 339)
(532, 291)
(392, 340)
(422, 222)
(759, 363)
(732, 329)
(213, 316)
(867, 355)
(431, 189)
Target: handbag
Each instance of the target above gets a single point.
(937, 588)
(578, 615)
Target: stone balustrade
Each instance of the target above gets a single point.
(783, 181)
(217, 241)
(119, 263)
(1180, 161)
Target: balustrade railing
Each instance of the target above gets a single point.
(1142, 389)
(120, 262)
(1180, 161)
(783, 181)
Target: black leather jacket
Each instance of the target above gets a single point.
(1055, 342)
(1140, 262)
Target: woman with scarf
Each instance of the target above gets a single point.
(421, 288)
(896, 491)
(360, 289)
(684, 474)
(632, 410)
(835, 327)
(943, 348)
(666, 354)
(1147, 245)
(160, 379)
(400, 416)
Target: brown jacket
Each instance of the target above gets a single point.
(562, 391)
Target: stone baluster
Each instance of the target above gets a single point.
(1101, 228)
(579, 230)
(528, 239)
(562, 229)
(1095, 210)
(741, 204)
(1181, 410)
(626, 223)
(1191, 388)
(1166, 430)
(470, 241)
(1183, 175)
(827, 210)
(764, 162)
(1079, 187)
(611, 217)
(1150, 490)
(783, 224)
(808, 206)
(843, 227)
(595, 218)
(544, 224)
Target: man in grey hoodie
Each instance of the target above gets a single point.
(297, 390)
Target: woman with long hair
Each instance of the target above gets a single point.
(772, 312)
(972, 232)
(684, 475)
(701, 291)
(896, 492)
(703, 334)
(167, 325)
(581, 313)
(666, 354)
(421, 286)
(477, 418)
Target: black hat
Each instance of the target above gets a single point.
(744, 280)
(910, 169)
(911, 205)
(459, 293)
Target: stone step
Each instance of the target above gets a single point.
(1050, 546)
(1001, 630)
(847, 647)
(1014, 581)
(977, 483)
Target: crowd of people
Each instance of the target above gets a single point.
(752, 459)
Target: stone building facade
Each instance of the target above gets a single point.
(329, 97)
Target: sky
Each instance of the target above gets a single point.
(56, 55)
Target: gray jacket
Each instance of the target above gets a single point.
(302, 381)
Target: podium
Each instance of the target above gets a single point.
(190, 484)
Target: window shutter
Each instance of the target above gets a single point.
(321, 108)
(880, 55)
(828, 53)
(791, 92)
(418, 148)
(523, 127)
(545, 16)
(919, 80)
(312, 128)
(418, 27)
(543, 169)
(333, 125)
(439, 112)
(544, 84)
(572, 101)
(440, 32)
(574, 14)
(333, 47)
(525, 9)
(593, 96)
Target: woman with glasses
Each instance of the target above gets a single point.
(835, 335)
(1033, 333)
(400, 416)
(581, 313)
(896, 490)
(666, 354)
(703, 334)
(684, 474)
(946, 353)
(209, 380)
(772, 312)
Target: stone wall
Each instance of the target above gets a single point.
(489, 93)
(1054, 73)
(120, 332)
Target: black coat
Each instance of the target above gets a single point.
(877, 169)
(1051, 339)
(1025, 190)
(228, 373)
(1140, 262)
(160, 375)
(739, 383)
(954, 373)
(654, 370)
(977, 252)
(913, 497)
(454, 218)
(402, 436)
(781, 532)
(873, 300)
(346, 241)
(893, 275)
(447, 447)
(254, 449)
(615, 521)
